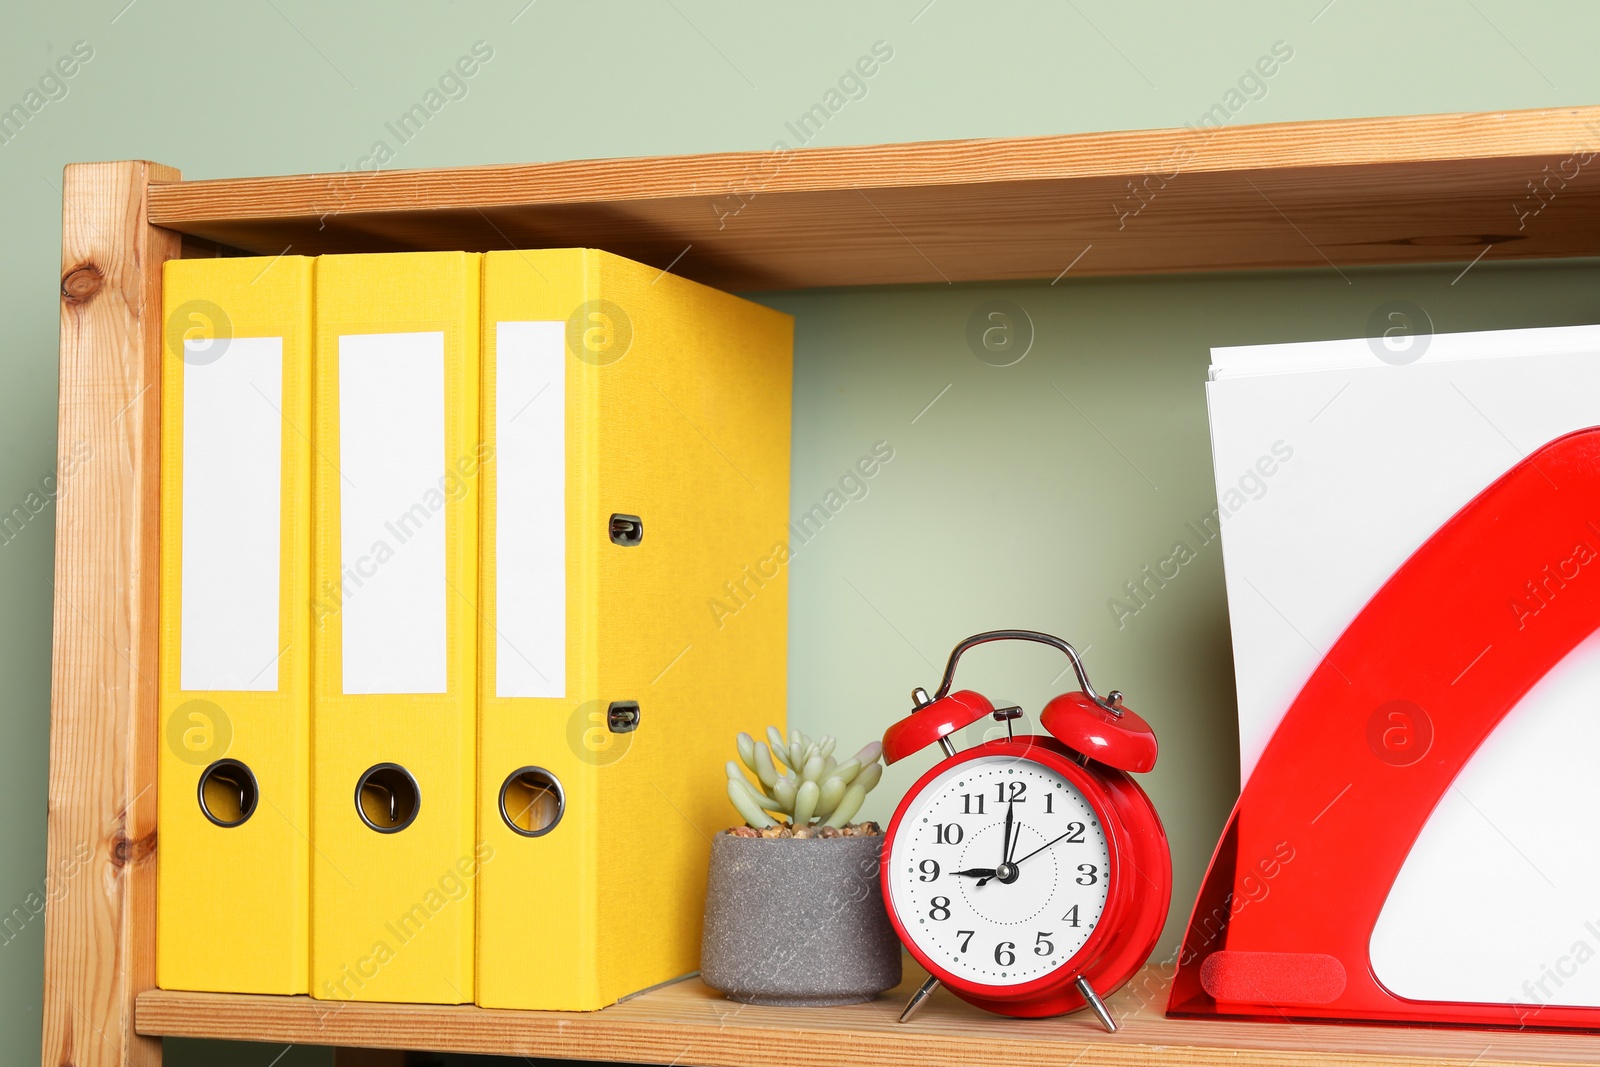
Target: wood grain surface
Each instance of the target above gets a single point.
(100, 882)
(1330, 194)
(687, 1023)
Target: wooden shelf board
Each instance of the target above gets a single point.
(687, 1023)
(1346, 193)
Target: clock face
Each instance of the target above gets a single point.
(982, 913)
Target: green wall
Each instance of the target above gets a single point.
(1024, 496)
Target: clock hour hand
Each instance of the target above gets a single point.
(983, 874)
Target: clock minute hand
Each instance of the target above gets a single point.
(1041, 848)
(1005, 844)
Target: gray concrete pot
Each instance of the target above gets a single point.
(797, 922)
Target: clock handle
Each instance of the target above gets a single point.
(919, 998)
(1112, 702)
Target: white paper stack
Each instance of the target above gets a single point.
(1334, 461)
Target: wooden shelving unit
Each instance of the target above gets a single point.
(687, 1023)
(1324, 194)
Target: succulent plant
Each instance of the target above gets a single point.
(800, 780)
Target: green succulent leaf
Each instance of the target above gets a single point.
(805, 803)
(831, 792)
(849, 804)
(780, 748)
(745, 803)
(765, 769)
(847, 771)
(784, 793)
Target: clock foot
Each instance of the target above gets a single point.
(919, 998)
(1096, 1005)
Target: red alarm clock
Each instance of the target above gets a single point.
(1029, 875)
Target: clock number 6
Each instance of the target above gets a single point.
(1088, 874)
(1003, 954)
(940, 904)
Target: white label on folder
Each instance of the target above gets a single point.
(232, 506)
(531, 519)
(392, 494)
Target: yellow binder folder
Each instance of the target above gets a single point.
(394, 624)
(233, 893)
(636, 470)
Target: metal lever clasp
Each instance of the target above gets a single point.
(1112, 704)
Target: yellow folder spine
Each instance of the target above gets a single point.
(233, 908)
(678, 414)
(393, 912)
(537, 906)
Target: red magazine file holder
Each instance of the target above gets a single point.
(1492, 601)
